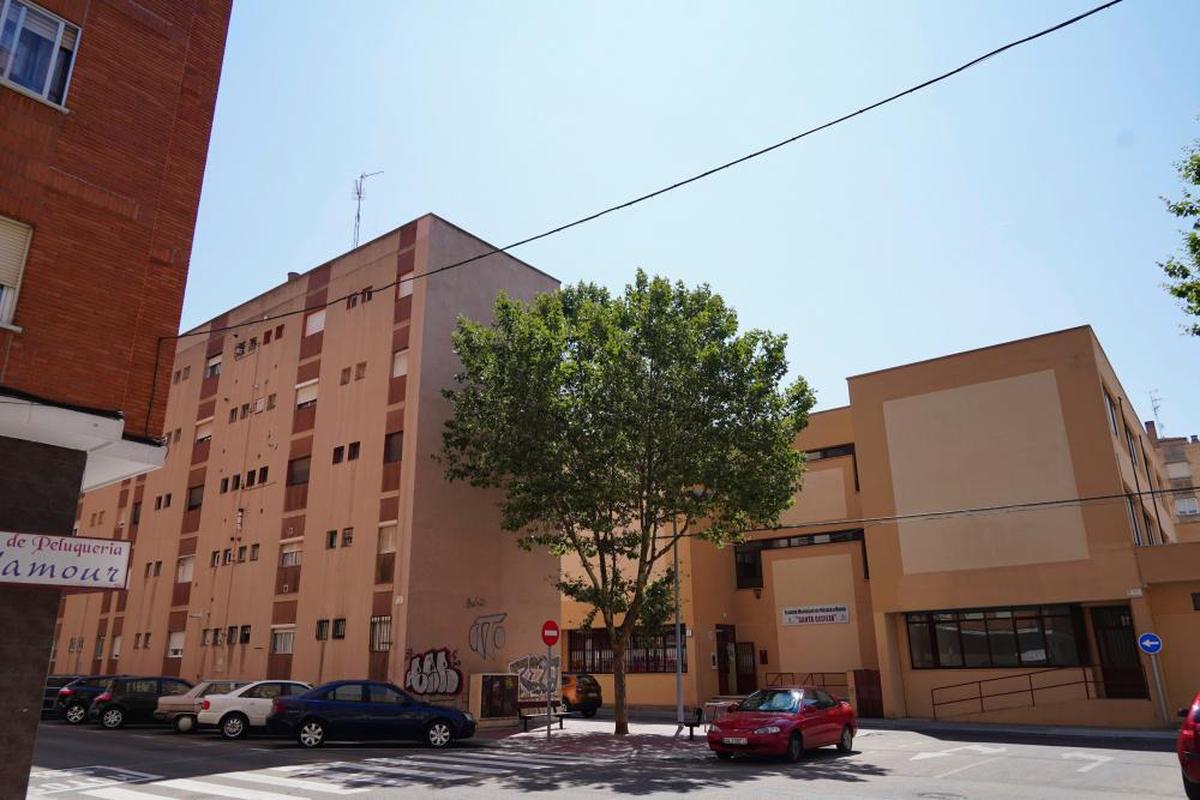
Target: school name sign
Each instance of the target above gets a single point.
(66, 562)
(816, 615)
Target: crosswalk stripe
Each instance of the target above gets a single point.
(507, 761)
(291, 783)
(436, 766)
(550, 758)
(220, 790)
(418, 773)
(117, 793)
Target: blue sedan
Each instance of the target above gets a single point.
(360, 710)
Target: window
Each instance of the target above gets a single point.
(360, 370)
(290, 555)
(212, 367)
(204, 636)
(330, 540)
(1132, 449)
(314, 322)
(149, 566)
(1185, 506)
(215, 559)
(157, 568)
(195, 497)
(352, 451)
(278, 332)
(175, 644)
(345, 377)
(259, 405)
(306, 394)
(115, 653)
(37, 50)
(747, 559)
(167, 500)
(241, 555)
(1134, 524)
(404, 287)
(250, 476)
(399, 363)
(187, 372)
(135, 513)
(254, 552)
(298, 471)
(267, 336)
(178, 431)
(99, 651)
(145, 641)
(339, 628)
(218, 637)
(175, 377)
(1196, 601)
(339, 453)
(589, 651)
(137, 642)
(244, 411)
(236, 482)
(282, 640)
(262, 474)
(270, 401)
(351, 301)
(393, 446)
(184, 568)
(997, 637)
(231, 636)
(322, 630)
(830, 452)
(347, 537)
(224, 485)
(227, 555)
(1178, 470)
(1110, 411)
(381, 634)
(387, 539)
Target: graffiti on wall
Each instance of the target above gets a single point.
(531, 677)
(487, 634)
(434, 672)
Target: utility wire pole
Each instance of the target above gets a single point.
(358, 198)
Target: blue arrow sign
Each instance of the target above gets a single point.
(1149, 643)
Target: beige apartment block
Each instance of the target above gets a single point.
(1181, 460)
(981, 536)
(301, 526)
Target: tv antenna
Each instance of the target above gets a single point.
(358, 198)
(1155, 404)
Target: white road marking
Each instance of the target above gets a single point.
(966, 767)
(1095, 759)
(499, 761)
(290, 783)
(364, 766)
(205, 788)
(976, 748)
(117, 793)
(436, 765)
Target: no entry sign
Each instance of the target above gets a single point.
(550, 632)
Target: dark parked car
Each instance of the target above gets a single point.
(50, 691)
(784, 722)
(359, 710)
(133, 699)
(76, 697)
(581, 692)
(1188, 748)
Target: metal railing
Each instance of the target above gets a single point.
(1093, 688)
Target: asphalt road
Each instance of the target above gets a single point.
(156, 764)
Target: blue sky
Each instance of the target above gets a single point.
(1019, 198)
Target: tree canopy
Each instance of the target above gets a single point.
(615, 425)
(1184, 271)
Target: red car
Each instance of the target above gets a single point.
(784, 722)
(1188, 748)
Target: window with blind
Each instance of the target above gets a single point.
(14, 247)
(399, 363)
(306, 394)
(314, 322)
(37, 50)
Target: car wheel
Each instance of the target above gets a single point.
(795, 748)
(589, 712)
(438, 733)
(311, 733)
(234, 726)
(112, 718)
(76, 713)
(1192, 790)
(846, 741)
(185, 723)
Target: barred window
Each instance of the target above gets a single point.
(381, 634)
(590, 651)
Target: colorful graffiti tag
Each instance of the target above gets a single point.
(487, 634)
(531, 677)
(434, 672)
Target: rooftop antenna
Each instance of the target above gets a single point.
(358, 198)
(1155, 404)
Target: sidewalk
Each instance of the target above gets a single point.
(594, 737)
(936, 727)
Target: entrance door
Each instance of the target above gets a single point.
(747, 669)
(868, 693)
(726, 682)
(1120, 664)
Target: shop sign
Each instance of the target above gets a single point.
(65, 562)
(815, 615)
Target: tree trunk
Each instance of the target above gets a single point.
(620, 713)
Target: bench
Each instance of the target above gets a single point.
(697, 721)
(556, 714)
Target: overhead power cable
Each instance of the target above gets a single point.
(652, 194)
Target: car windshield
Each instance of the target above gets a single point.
(771, 700)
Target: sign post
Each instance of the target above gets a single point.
(1151, 644)
(550, 635)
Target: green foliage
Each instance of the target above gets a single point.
(614, 424)
(1184, 272)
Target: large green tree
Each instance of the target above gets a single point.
(1184, 271)
(615, 425)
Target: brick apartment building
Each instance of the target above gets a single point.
(1181, 460)
(105, 113)
(301, 526)
(1028, 613)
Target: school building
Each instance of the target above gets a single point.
(981, 536)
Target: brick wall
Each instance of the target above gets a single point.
(111, 189)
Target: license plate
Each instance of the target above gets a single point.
(734, 740)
